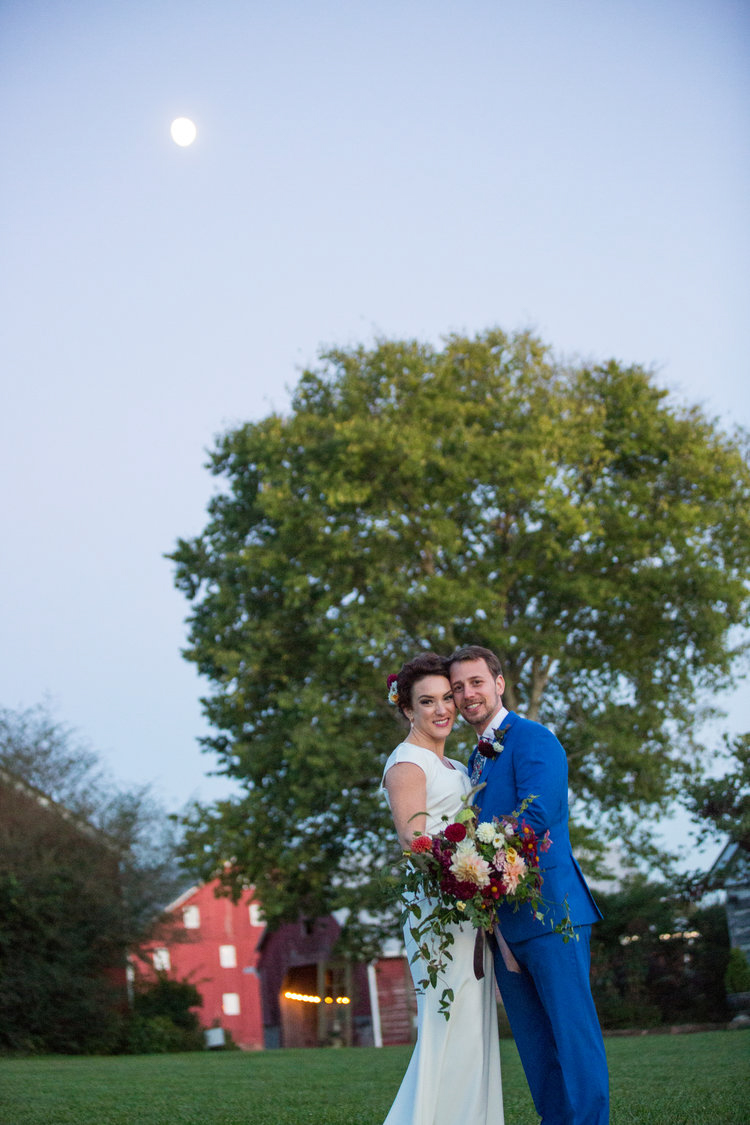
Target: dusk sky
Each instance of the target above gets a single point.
(387, 169)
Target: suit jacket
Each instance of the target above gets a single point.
(533, 761)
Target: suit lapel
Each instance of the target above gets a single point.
(506, 725)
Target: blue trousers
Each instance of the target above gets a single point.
(556, 1028)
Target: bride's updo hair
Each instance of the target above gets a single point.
(426, 664)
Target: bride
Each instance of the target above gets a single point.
(454, 1072)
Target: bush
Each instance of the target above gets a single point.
(737, 976)
(59, 992)
(158, 1035)
(83, 866)
(162, 1019)
(168, 997)
(645, 971)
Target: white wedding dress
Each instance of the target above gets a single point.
(453, 1077)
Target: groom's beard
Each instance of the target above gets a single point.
(479, 718)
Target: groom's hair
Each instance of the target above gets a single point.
(476, 652)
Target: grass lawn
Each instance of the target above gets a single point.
(701, 1079)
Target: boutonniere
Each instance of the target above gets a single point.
(493, 747)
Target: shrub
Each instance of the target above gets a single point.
(645, 971)
(158, 1035)
(737, 976)
(162, 1019)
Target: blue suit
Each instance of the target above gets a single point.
(549, 1003)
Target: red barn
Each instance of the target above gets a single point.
(213, 942)
(281, 989)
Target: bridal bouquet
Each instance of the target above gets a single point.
(464, 871)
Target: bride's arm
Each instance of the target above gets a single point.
(407, 796)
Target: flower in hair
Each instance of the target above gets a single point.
(392, 683)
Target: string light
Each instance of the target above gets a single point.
(305, 999)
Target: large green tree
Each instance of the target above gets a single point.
(570, 517)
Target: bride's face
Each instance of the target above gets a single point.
(432, 712)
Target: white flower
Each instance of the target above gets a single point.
(497, 840)
(470, 868)
(486, 832)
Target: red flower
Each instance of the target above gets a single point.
(486, 748)
(497, 886)
(421, 844)
(458, 887)
(455, 833)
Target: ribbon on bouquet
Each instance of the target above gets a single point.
(505, 952)
(509, 960)
(479, 955)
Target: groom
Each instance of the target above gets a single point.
(545, 983)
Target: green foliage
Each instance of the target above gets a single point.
(59, 929)
(172, 999)
(737, 975)
(51, 758)
(157, 1035)
(658, 959)
(723, 803)
(83, 869)
(162, 1019)
(569, 517)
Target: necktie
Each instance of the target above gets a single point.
(476, 769)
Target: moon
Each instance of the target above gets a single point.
(183, 131)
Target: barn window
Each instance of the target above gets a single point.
(227, 957)
(230, 1004)
(162, 960)
(191, 917)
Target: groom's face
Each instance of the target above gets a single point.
(477, 693)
